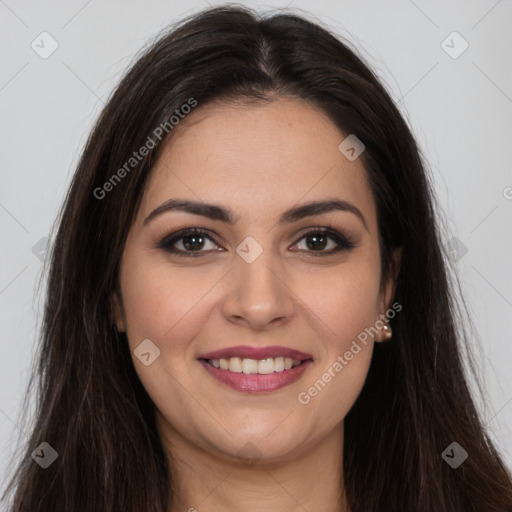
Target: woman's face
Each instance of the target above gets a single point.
(255, 282)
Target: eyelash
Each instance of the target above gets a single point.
(166, 244)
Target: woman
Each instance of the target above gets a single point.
(248, 306)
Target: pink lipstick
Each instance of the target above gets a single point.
(256, 369)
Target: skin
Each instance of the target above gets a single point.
(259, 161)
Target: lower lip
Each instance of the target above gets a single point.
(257, 383)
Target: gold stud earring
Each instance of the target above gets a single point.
(388, 333)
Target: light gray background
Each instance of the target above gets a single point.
(460, 110)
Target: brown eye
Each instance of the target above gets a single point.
(192, 242)
(318, 239)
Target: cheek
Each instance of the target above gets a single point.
(169, 308)
(344, 300)
(345, 305)
(160, 303)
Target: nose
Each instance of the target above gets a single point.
(259, 294)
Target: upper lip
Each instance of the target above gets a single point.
(247, 352)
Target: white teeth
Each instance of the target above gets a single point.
(264, 366)
(235, 365)
(279, 364)
(252, 366)
(248, 366)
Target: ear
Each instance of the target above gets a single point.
(118, 311)
(389, 287)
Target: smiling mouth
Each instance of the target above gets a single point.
(255, 366)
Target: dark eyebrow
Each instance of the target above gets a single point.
(220, 213)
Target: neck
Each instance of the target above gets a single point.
(310, 479)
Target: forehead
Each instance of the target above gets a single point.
(259, 160)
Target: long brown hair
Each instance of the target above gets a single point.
(92, 408)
